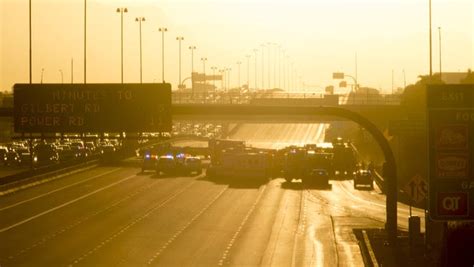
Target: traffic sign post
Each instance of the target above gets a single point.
(451, 151)
(417, 189)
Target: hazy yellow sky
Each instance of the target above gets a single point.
(321, 36)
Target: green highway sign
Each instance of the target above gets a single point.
(450, 111)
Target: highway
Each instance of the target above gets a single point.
(118, 216)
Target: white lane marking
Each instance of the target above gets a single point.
(129, 225)
(300, 228)
(241, 226)
(64, 204)
(177, 234)
(81, 220)
(56, 190)
(318, 246)
(25, 186)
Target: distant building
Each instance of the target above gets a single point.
(452, 77)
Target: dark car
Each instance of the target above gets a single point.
(25, 156)
(166, 165)
(3, 152)
(363, 177)
(150, 158)
(45, 154)
(317, 176)
(66, 153)
(192, 165)
(11, 158)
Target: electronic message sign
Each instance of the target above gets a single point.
(451, 151)
(78, 108)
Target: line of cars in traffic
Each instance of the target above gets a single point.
(41, 152)
(167, 160)
(313, 164)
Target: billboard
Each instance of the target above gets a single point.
(79, 108)
(451, 151)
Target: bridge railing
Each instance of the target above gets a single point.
(283, 98)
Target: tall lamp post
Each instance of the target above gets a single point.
(192, 48)
(30, 49)
(269, 46)
(213, 68)
(238, 73)
(228, 77)
(140, 19)
(163, 30)
(204, 59)
(42, 71)
(263, 66)
(62, 75)
(121, 10)
(179, 38)
(255, 51)
(248, 71)
(439, 33)
(85, 41)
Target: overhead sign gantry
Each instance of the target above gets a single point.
(79, 108)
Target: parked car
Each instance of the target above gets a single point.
(363, 177)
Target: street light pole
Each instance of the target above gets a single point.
(440, 73)
(269, 46)
(30, 49)
(85, 41)
(192, 48)
(238, 73)
(248, 71)
(42, 71)
(214, 76)
(279, 66)
(62, 76)
(163, 30)
(431, 54)
(256, 84)
(72, 70)
(228, 78)
(140, 19)
(121, 10)
(204, 59)
(263, 66)
(179, 38)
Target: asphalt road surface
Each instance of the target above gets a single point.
(117, 216)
